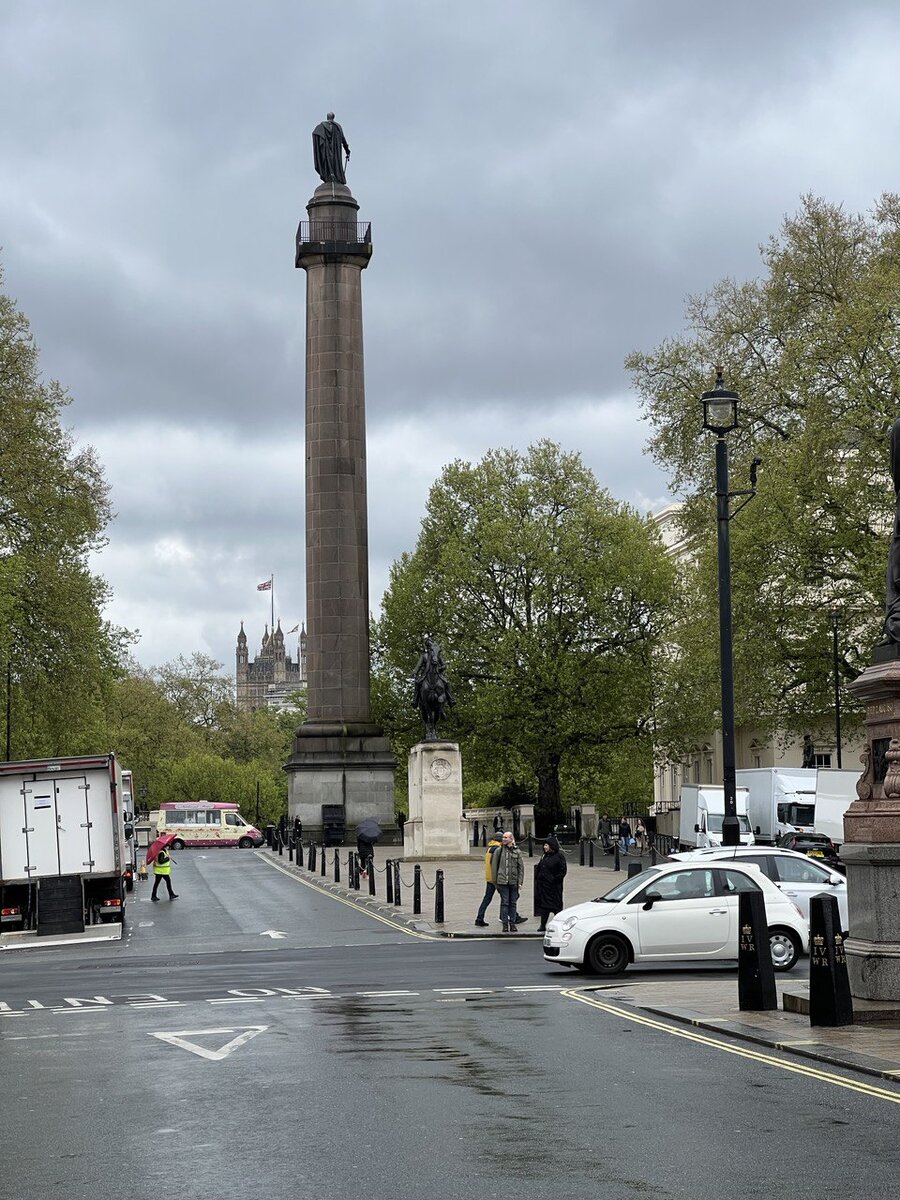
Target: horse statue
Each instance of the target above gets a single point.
(431, 690)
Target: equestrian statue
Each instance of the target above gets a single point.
(431, 690)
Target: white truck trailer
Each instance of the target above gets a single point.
(64, 860)
(702, 812)
(781, 799)
(835, 792)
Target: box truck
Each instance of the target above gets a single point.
(702, 810)
(781, 800)
(64, 856)
(835, 792)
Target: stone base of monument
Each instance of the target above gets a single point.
(871, 847)
(435, 827)
(350, 766)
(873, 948)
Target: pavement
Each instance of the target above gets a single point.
(708, 1002)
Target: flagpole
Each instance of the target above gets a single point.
(272, 592)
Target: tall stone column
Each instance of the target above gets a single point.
(340, 757)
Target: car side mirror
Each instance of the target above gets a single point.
(834, 879)
(696, 829)
(757, 830)
(650, 899)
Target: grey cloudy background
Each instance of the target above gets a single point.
(547, 181)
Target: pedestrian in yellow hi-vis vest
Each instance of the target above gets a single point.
(162, 869)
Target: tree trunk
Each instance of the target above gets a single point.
(549, 805)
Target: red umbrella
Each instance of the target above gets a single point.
(164, 840)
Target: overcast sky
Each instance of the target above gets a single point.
(547, 180)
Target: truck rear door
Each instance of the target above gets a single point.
(59, 840)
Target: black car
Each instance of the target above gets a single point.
(816, 845)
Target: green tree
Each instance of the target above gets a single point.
(813, 347)
(549, 597)
(53, 512)
(201, 695)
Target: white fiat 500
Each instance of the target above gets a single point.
(678, 911)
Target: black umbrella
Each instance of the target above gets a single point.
(369, 830)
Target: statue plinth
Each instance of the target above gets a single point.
(435, 827)
(871, 848)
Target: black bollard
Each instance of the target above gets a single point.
(417, 890)
(370, 867)
(389, 880)
(337, 866)
(280, 847)
(653, 854)
(581, 852)
(439, 897)
(474, 833)
(322, 859)
(351, 871)
(591, 852)
(397, 883)
(756, 975)
(270, 836)
(617, 864)
(311, 860)
(830, 1002)
(634, 869)
(530, 846)
(290, 850)
(484, 835)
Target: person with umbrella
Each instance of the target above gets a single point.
(158, 854)
(368, 831)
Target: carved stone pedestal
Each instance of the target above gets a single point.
(871, 846)
(435, 827)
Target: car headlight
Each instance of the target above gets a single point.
(569, 923)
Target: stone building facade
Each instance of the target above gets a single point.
(269, 679)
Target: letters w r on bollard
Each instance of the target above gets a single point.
(830, 1002)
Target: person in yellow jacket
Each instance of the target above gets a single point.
(496, 840)
(162, 869)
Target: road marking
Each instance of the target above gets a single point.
(462, 991)
(387, 994)
(237, 1000)
(273, 934)
(181, 1039)
(538, 987)
(360, 908)
(852, 1085)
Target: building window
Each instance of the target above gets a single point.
(696, 770)
(823, 760)
(757, 761)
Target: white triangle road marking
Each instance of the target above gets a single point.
(181, 1038)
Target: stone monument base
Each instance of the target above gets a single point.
(347, 765)
(873, 949)
(435, 827)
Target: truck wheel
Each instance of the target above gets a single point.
(785, 947)
(246, 843)
(129, 884)
(606, 955)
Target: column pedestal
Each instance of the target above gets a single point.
(871, 848)
(435, 827)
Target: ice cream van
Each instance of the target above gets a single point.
(206, 823)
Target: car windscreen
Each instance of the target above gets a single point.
(627, 886)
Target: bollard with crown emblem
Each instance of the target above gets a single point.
(756, 974)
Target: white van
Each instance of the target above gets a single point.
(201, 823)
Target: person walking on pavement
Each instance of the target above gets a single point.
(624, 835)
(298, 831)
(548, 882)
(606, 832)
(494, 844)
(162, 869)
(507, 876)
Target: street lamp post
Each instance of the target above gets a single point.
(720, 416)
(835, 616)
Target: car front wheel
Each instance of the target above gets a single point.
(606, 955)
(785, 947)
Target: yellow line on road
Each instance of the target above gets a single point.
(413, 933)
(852, 1085)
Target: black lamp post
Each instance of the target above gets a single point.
(720, 415)
(835, 616)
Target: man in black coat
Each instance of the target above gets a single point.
(548, 882)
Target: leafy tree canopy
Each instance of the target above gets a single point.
(813, 348)
(549, 597)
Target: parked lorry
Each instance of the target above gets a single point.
(781, 800)
(835, 792)
(64, 858)
(702, 810)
